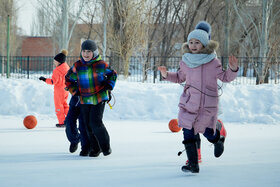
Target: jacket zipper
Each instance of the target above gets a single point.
(200, 95)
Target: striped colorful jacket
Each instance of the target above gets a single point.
(91, 80)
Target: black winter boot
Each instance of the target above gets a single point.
(107, 152)
(73, 147)
(94, 153)
(219, 147)
(60, 125)
(95, 149)
(84, 152)
(103, 140)
(191, 150)
(218, 144)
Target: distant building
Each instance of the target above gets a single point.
(46, 46)
(37, 46)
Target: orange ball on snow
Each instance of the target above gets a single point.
(173, 125)
(30, 122)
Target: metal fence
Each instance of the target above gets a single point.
(141, 69)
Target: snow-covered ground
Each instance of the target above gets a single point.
(144, 150)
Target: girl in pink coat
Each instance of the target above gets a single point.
(198, 106)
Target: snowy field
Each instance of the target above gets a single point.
(144, 150)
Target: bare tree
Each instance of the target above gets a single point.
(54, 18)
(257, 31)
(92, 14)
(128, 33)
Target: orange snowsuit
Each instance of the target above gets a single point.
(60, 94)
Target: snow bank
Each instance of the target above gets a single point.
(146, 101)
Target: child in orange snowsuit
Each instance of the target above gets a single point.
(58, 80)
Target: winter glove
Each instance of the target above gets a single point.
(107, 86)
(42, 79)
(101, 77)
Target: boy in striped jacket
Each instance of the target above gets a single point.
(92, 79)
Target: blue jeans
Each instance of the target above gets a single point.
(189, 134)
(74, 134)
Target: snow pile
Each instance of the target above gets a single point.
(146, 101)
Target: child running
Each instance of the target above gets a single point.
(198, 106)
(91, 78)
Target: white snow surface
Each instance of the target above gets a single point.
(144, 151)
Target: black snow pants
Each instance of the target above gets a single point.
(97, 133)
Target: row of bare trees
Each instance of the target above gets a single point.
(243, 27)
(56, 18)
(146, 28)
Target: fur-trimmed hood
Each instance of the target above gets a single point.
(210, 48)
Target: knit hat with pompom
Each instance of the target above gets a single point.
(61, 57)
(202, 33)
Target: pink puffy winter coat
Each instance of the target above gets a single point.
(198, 106)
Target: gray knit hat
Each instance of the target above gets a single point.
(90, 45)
(202, 33)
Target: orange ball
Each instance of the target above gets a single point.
(173, 125)
(30, 122)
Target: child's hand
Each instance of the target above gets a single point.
(163, 71)
(42, 79)
(233, 63)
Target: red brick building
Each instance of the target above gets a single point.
(37, 46)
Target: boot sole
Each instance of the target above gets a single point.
(94, 155)
(107, 153)
(189, 171)
(83, 154)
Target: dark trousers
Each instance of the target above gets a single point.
(74, 134)
(189, 134)
(97, 133)
(198, 141)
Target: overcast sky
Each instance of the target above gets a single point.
(26, 12)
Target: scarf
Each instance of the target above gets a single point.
(195, 60)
